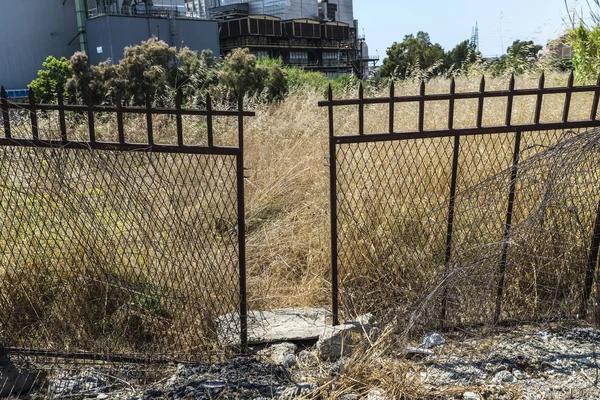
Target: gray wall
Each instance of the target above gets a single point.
(31, 30)
(109, 35)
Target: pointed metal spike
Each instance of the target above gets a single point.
(361, 89)
(571, 81)
(392, 89)
(452, 85)
(31, 96)
(482, 84)
(542, 80)
(330, 93)
(422, 88)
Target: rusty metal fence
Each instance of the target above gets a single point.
(466, 224)
(128, 250)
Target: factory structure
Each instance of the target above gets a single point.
(319, 35)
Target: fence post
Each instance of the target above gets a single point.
(120, 128)
(591, 271)
(508, 224)
(61, 116)
(451, 205)
(242, 229)
(422, 107)
(333, 213)
(149, 120)
(361, 109)
(33, 116)
(5, 113)
(209, 120)
(178, 117)
(91, 118)
(392, 107)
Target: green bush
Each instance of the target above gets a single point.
(51, 79)
(586, 52)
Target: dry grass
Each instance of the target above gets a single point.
(287, 194)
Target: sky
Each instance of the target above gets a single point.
(450, 22)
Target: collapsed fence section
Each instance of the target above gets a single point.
(118, 250)
(466, 225)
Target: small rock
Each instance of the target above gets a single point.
(337, 366)
(290, 361)
(414, 352)
(85, 382)
(471, 396)
(300, 390)
(102, 396)
(349, 396)
(503, 377)
(307, 358)
(376, 394)
(432, 339)
(278, 352)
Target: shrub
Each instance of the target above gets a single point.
(586, 48)
(51, 79)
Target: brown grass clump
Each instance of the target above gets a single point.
(395, 253)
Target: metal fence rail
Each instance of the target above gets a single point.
(118, 250)
(462, 224)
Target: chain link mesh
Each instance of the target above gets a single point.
(392, 217)
(117, 252)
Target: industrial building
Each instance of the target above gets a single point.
(32, 30)
(320, 35)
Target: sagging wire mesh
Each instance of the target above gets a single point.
(116, 252)
(393, 208)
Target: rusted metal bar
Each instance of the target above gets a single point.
(333, 213)
(178, 117)
(509, 100)
(61, 117)
(113, 146)
(209, 121)
(392, 107)
(540, 100)
(568, 97)
(91, 119)
(463, 96)
(491, 130)
(481, 102)
(591, 268)
(421, 127)
(451, 206)
(508, 226)
(149, 122)
(594, 111)
(5, 112)
(127, 109)
(241, 229)
(33, 116)
(120, 127)
(361, 110)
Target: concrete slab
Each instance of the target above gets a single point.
(283, 325)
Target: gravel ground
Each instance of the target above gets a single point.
(526, 362)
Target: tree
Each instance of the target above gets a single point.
(524, 49)
(51, 79)
(414, 52)
(463, 55)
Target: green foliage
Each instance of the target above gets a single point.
(586, 51)
(461, 57)
(242, 75)
(415, 52)
(51, 79)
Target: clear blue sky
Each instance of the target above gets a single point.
(450, 22)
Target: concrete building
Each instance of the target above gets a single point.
(320, 35)
(35, 29)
